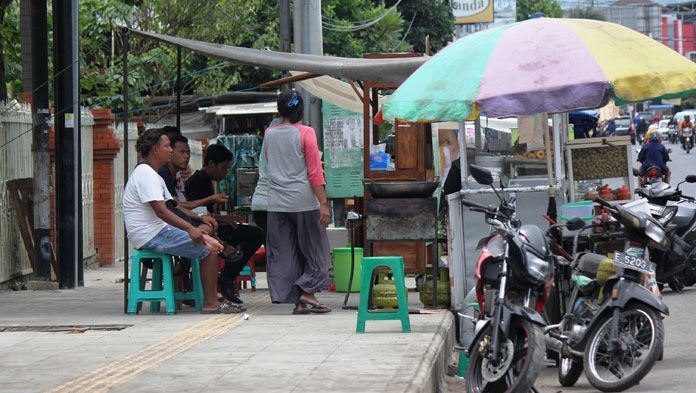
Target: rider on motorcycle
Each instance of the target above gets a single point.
(652, 154)
(686, 123)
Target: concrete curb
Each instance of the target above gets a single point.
(430, 375)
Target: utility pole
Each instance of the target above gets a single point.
(284, 17)
(40, 140)
(311, 39)
(66, 124)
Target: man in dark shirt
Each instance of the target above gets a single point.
(655, 154)
(216, 163)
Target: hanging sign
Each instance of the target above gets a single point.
(472, 11)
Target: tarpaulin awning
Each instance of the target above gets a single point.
(391, 70)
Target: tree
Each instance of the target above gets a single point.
(586, 13)
(549, 8)
(9, 41)
(427, 17)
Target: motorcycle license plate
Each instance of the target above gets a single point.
(634, 263)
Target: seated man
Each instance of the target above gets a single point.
(655, 154)
(216, 163)
(151, 225)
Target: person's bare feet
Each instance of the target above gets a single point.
(211, 244)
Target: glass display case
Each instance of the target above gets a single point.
(594, 163)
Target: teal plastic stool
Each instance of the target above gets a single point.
(396, 264)
(162, 283)
(247, 274)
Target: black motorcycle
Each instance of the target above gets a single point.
(513, 279)
(673, 134)
(611, 325)
(677, 266)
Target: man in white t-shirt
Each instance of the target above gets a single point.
(151, 225)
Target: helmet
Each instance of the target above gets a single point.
(654, 137)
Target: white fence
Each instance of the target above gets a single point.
(16, 161)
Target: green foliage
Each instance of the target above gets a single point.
(586, 13)
(430, 17)
(383, 36)
(550, 8)
(12, 50)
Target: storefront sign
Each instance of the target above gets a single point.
(472, 11)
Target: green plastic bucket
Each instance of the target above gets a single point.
(583, 209)
(341, 267)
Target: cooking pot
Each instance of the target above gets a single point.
(410, 189)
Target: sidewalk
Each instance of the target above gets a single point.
(272, 351)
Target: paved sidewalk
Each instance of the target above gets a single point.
(272, 351)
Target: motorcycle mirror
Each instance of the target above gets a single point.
(481, 175)
(690, 179)
(636, 172)
(504, 181)
(575, 223)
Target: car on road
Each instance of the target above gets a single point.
(624, 126)
(680, 115)
(663, 128)
(647, 116)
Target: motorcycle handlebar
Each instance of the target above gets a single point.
(473, 204)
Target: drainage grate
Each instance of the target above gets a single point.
(62, 328)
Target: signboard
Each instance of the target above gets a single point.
(472, 11)
(504, 12)
(343, 151)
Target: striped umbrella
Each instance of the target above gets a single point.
(541, 65)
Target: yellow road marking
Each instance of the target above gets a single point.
(128, 367)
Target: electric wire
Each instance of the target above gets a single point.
(343, 28)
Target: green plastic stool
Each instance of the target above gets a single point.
(396, 264)
(162, 283)
(463, 365)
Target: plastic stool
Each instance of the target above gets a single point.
(162, 283)
(396, 264)
(247, 274)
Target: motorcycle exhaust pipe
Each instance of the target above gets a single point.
(556, 345)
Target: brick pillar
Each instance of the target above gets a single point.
(106, 146)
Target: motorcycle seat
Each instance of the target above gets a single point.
(588, 264)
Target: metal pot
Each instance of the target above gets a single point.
(421, 189)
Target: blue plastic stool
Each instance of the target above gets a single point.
(396, 264)
(247, 274)
(162, 283)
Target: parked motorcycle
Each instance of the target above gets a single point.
(677, 266)
(611, 326)
(513, 279)
(687, 139)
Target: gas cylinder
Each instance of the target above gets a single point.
(624, 193)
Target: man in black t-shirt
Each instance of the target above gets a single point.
(199, 187)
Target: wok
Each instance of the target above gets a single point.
(409, 189)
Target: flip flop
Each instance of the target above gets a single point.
(320, 309)
(223, 308)
(231, 253)
(301, 311)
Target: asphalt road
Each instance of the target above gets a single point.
(677, 372)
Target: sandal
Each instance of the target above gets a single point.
(301, 311)
(223, 308)
(231, 253)
(320, 309)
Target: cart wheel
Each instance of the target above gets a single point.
(420, 279)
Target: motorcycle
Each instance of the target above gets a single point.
(676, 267)
(687, 139)
(673, 134)
(513, 279)
(611, 325)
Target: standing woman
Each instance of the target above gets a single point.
(297, 245)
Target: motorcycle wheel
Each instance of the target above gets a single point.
(569, 371)
(527, 344)
(676, 283)
(689, 275)
(641, 331)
